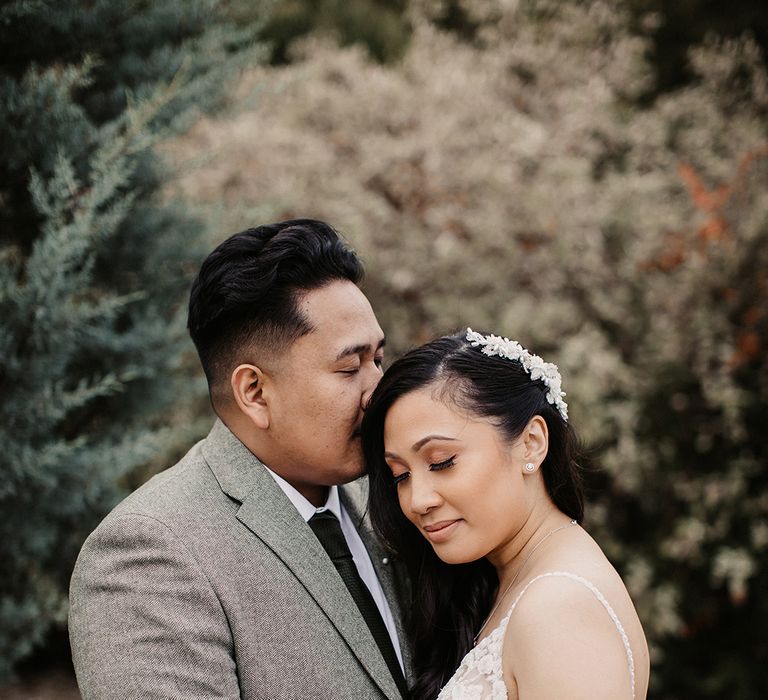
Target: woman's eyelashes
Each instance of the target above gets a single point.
(437, 466)
(433, 467)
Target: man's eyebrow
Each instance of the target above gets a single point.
(359, 349)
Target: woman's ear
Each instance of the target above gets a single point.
(535, 444)
(248, 384)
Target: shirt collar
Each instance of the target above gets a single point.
(305, 508)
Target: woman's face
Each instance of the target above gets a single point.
(458, 481)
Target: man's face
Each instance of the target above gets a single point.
(319, 387)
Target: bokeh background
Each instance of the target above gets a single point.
(587, 177)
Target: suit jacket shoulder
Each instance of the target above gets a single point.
(206, 582)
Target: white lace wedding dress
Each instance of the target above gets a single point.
(479, 677)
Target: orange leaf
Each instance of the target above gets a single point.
(749, 345)
(708, 200)
(714, 230)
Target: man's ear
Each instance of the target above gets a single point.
(248, 389)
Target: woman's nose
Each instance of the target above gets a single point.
(423, 497)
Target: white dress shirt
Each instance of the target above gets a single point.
(359, 552)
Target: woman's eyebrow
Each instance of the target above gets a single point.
(420, 443)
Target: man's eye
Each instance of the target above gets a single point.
(353, 370)
(437, 466)
(378, 361)
(401, 477)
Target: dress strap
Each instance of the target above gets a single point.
(596, 592)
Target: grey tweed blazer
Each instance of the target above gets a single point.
(207, 583)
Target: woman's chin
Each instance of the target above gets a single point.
(455, 555)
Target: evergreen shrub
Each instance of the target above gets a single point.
(94, 265)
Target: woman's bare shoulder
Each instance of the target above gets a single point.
(561, 641)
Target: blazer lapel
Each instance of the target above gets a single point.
(267, 512)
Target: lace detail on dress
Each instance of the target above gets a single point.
(479, 677)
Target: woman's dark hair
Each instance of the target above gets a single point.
(247, 290)
(450, 602)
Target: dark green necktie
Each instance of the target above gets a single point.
(327, 529)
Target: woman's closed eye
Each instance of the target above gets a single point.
(433, 467)
(437, 466)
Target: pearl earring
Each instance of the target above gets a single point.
(529, 467)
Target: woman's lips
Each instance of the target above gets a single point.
(441, 531)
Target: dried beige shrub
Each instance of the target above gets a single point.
(514, 185)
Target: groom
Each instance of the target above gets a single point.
(246, 570)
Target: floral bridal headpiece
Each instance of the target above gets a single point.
(494, 345)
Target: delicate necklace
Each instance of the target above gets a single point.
(514, 578)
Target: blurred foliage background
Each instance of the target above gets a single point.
(587, 177)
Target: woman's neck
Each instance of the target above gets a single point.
(530, 541)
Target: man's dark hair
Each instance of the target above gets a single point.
(247, 291)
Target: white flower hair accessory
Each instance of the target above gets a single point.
(494, 345)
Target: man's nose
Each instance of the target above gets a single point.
(373, 377)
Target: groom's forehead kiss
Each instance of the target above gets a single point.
(315, 398)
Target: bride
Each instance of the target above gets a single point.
(474, 484)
